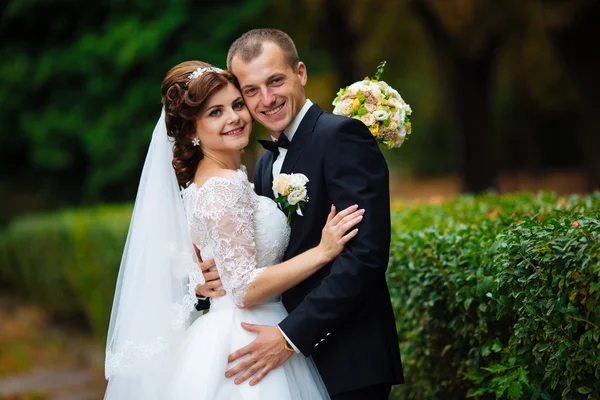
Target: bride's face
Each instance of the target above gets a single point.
(224, 124)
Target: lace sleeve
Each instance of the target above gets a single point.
(228, 210)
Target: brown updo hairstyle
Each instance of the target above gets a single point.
(183, 100)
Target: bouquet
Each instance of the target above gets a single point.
(379, 106)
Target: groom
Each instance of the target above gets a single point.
(341, 316)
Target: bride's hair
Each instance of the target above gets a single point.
(183, 99)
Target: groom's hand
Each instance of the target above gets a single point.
(265, 353)
(213, 281)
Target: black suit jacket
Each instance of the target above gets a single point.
(342, 315)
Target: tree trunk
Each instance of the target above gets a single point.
(577, 45)
(468, 93)
(342, 44)
(467, 84)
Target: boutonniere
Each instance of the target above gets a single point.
(292, 193)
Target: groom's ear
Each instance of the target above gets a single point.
(302, 73)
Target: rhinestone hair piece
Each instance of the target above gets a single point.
(200, 71)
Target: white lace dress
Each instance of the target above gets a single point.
(244, 233)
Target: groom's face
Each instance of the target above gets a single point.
(272, 90)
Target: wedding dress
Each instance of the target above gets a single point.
(244, 233)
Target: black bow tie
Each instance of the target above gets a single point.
(274, 146)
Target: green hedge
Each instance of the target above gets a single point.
(498, 297)
(495, 296)
(67, 262)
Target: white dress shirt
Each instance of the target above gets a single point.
(290, 131)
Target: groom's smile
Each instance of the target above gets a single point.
(275, 110)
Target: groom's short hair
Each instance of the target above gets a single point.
(250, 45)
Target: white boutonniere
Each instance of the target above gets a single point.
(292, 193)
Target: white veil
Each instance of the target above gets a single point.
(155, 292)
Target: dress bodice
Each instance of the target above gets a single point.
(241, 231)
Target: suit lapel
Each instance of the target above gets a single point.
(301, 137)
(267, 176)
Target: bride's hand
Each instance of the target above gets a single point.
(335, 233)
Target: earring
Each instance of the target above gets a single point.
(196, 141)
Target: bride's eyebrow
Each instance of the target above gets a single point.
(236, 100)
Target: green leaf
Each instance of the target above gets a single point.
(515, 390)
(497, 346)
(467, 302)
(523, 376)
(380, 69)
(479, 392)
(496, 368)
(585, 390)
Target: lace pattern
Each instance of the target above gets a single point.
(132, 354)
(221, 217)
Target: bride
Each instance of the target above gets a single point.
(153, 352)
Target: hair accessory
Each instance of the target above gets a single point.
(200, 71)
(196, 141)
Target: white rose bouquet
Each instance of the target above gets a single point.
(292, 193)
(379, 106)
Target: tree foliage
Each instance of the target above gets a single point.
(79, 82)
(80, 85)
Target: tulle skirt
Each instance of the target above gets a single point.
(201, 359)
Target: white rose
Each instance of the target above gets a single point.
(393, 92)
(381, 115)
(370, 107)
(402, 132)
(337, 109)
(350, 95)
(355, 86)
(346, 107)
(298, 181)
(281, 184)
(297, 196)
(368, 119)
(399, 116)
(383, 85)
(396, 102)
(378, 94)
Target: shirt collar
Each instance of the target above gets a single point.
(293, 127)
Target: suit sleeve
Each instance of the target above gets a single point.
(355, 173)
(202, 305)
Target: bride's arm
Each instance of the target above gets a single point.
(281, 277)
(229, 213)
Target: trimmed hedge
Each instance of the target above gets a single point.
(68, 261)
(498, 297)
(495, 296)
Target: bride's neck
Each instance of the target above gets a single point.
(228, 160)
